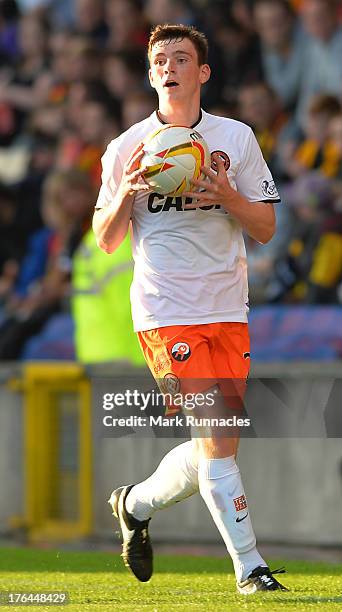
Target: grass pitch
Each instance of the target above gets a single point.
(98, 581)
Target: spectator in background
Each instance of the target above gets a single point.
(100, 123)
(282, 48)
(44, 277)
(11, 247)
(322, 65)
(311, 270)
(80, 92)
(43, 244)
(127, 25)
(60, 75)
(90, 20)
(300, 61)
(21, 90)
(46, 120)
(170, 11)
(260, 108)
(9, 16)
(83, 150)
(60, 12)
(221, 108)
(242, 13)
(240, 58)
(316, 150)
(335, 136)
(85, 59)
(100, 293)
(124, 72)
(136, 107)
(73, 58)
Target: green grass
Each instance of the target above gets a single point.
(98, 581)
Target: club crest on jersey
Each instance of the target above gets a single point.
(170, 384)
(181, 351)
(269, 189)
(225, 158)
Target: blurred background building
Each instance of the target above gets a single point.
(72, 77)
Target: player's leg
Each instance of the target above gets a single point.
(219, 477)
(221, 488)
(176, 477)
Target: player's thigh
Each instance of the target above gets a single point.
(179, 358)
(230, 350)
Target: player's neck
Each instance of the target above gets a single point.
(180, 115)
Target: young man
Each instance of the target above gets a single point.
(189, 294)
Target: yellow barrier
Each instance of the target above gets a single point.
(58, 451)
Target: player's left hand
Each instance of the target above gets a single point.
(215, 189)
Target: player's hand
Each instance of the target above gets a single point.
(132, 180)
(215, 189)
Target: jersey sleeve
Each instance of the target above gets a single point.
(111, 176)
(253, 178)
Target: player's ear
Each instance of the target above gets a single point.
(150, 76)
(205, 73)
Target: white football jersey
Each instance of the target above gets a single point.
(190, 265)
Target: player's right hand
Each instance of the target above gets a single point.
(132, 180)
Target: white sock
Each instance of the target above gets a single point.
(174, 479)
(221, 488)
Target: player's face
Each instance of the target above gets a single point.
(175, 73)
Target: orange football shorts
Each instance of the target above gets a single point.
(194, 358)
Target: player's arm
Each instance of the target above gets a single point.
(111, 222)
(256, 218)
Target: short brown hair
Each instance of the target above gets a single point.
(178, 32)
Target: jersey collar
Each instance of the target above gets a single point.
(192, 126)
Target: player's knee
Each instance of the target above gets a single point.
(213, 448)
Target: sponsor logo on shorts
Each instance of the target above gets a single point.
(269, 189)
(225, 158)
(170, 384)
(162, 362)
(181, 351)
(240, 503)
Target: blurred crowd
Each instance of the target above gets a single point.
(73, 76)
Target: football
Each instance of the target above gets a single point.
(173, 156)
